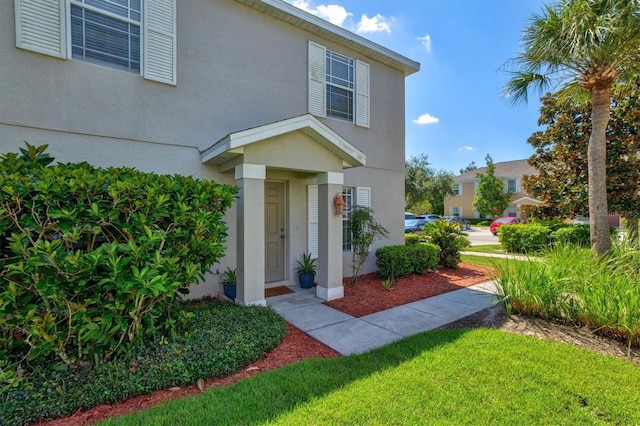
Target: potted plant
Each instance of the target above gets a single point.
(306, 270)
(228, 280)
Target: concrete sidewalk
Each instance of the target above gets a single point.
(348, 335)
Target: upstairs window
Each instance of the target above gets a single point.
(340, 84)
(511, 185)
(107, 32)
(137, 36)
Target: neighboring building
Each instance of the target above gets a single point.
(256, 93)
(510, 172)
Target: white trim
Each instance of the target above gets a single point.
(363, 196)
(40, 26)
(233, 144)
(317, 100)
(313, 238)
(324, 29)
(251, 171)
(159, 41)
(526, 198)
(361, 97)
(330, 293)
(331, 178)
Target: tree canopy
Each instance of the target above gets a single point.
(584, 47)
(561, 157)
(490, 198)
(426, 188)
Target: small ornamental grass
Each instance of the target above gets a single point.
(218, 339)
(573, 285)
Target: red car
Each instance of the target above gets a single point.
(504, 220)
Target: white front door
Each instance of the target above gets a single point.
(275, 235)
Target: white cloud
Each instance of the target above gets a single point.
(375, 24)
(333, 13)
(426, 119)
(426, 42)
(466, 148)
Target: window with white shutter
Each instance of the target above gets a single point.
(338, 86)
(105, 32)
(40, 26)
(362, 94)
(312, 221)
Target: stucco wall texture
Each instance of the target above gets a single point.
(237, 68)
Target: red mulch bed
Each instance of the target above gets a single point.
(366, 297)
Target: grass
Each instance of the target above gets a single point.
(488, 248)
(572, 284)
(491, 262)
(479, 376)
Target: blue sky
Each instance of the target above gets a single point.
(454, 108)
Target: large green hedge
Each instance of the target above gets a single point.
(218, 339)
(92, 258)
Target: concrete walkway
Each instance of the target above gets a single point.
(348, 335)
(500, 255)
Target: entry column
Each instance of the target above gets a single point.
(250, 233)
(329, 237)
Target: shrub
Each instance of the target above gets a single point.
(575, 234)
(218, 339)
(399, 261)
(451, 240)
(364, 231)
(524, 238)
(93, 258)
(411, 239)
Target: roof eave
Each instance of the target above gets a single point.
(301, 19)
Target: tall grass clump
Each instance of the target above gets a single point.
(571, 284)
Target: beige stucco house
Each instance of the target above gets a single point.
(257, 93)
(510, 172)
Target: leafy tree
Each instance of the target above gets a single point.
(490, 198)
(561, 157)
(364, 231)
(470, 167)
(585, 46)
(426, 188)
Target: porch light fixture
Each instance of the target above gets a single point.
(338, 203)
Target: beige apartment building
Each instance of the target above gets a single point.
(510, 172)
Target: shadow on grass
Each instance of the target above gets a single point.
(270, 394)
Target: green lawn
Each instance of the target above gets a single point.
(456, 377)
(489, 261)
(488, 248)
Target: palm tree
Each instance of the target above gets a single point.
(583, 47)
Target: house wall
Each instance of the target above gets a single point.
(463, 201)
(236, 69)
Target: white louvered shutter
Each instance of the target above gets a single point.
(160, 41)
(40, 26)
(312, 220)
(362, 94)
(363, 196)
(317, 90)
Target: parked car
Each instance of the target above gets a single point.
(464, 224)
(504, 220)
(418, 222)
(453, 219)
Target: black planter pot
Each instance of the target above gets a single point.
(306, 280)
(230, 290)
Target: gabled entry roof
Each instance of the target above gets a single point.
(233, 144)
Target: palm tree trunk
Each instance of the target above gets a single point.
(597, 159)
